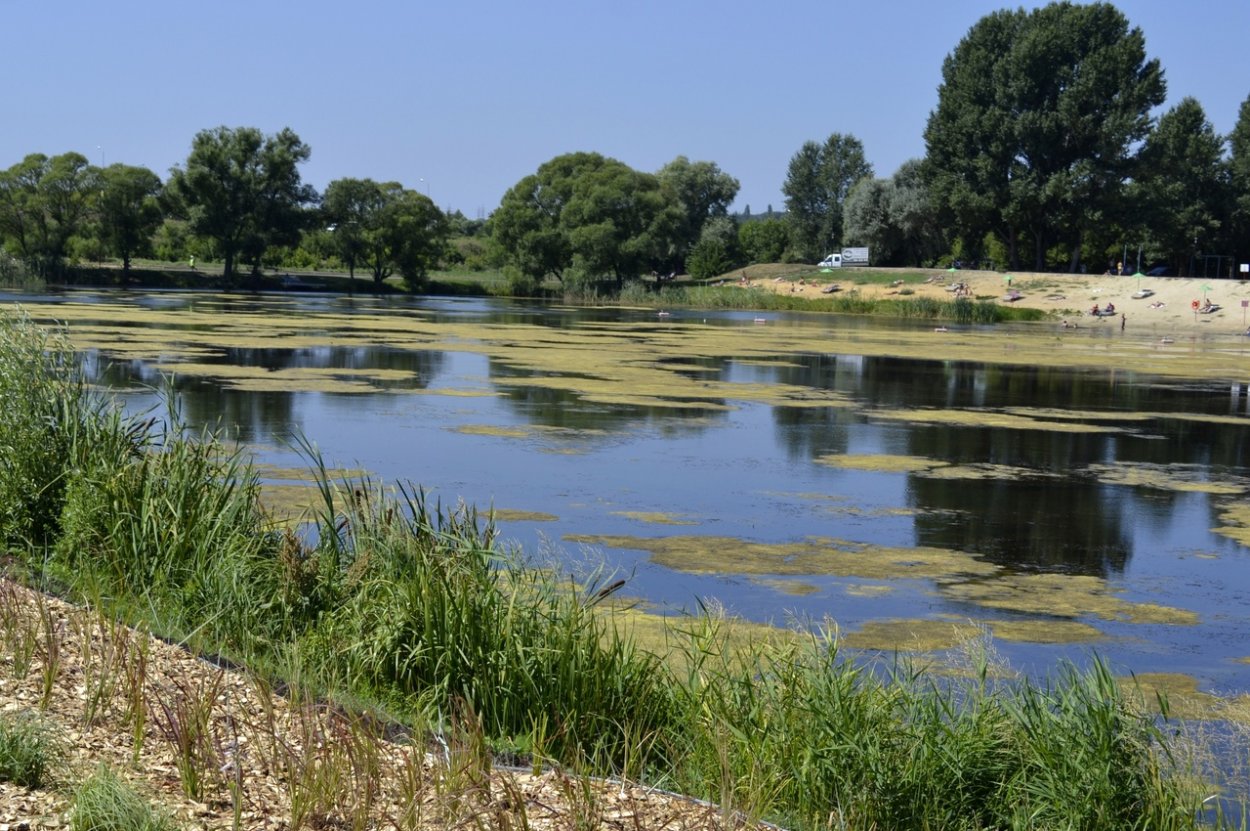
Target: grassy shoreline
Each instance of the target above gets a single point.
(386, 603)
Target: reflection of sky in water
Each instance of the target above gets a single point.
(750, 473)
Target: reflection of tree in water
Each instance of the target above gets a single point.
(252, 416)
(808, 432)
(555, 407)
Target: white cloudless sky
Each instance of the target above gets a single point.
(462, 99)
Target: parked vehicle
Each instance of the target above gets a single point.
(847, 256)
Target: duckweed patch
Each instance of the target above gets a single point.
(655, 517)
(794, 588)
(878, 462)
(989, 418)
(987, 472)
(1045, 630)
(731, 555)
(910, 635)
(1171, 477)
(1063, 596)
(868, 589)
(1237, 515)
(514, 515)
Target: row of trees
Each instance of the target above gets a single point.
(239, 198)
(1041, 152)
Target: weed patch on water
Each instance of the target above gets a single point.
(988, 418)
(1236, 516)
(515, 515)
(731, 555)
(878, 462)
(920, 635)
(794, 588)
(1170, 477)
(1063, 596)
(655, 517)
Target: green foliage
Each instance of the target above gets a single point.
(104, 802)
(586, 215)
(701, 191)
(708, 259)
(44, 203)
(1038, 114)
(45, 412)
(27, 750)
(1239, 174)
(129, 210)
(243, 190)
(763, 240)
(817, 183)
(1182, 183)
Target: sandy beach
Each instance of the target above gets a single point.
(1164, 304)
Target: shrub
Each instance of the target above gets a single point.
(105, 803)
(27, 749)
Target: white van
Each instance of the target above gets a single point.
(832, 261)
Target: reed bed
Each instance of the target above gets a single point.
(957, 310)
(414, 616)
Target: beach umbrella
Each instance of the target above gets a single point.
(1139, 275)
(1205, 289)
(826, 271)
(950, 270)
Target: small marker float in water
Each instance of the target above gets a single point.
(1165, 340)
(760, 320)
(940, 329)
(663, 314)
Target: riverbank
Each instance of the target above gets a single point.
(1163, 305)
(387, 607)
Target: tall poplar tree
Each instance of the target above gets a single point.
(1038, 115)
(817, 183)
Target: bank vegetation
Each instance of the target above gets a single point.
(414, 623)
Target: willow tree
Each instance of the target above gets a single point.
(243, 190)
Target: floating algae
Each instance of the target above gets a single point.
(1236, 516)
(513, 515)
(730, 555)
(988, 418)
(655, 517)
(794, 588)
(1064, 596)
(987, 472)
(935, 635)
(879, 462)
(910, 635)
(1172, 477)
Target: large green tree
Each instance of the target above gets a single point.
(44, 202)
(1181, 185)
(1038, 115)
(587, 214)
(817, 183)
(129, 210)
(894, 217)
(1239, 175)
(701, 191)
(763, 240)
(243, 190)
(385, 227)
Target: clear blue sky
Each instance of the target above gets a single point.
(462, 99)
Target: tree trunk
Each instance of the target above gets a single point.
(1074, 262)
